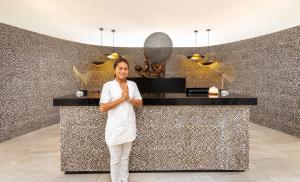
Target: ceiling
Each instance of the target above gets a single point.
(134, 20)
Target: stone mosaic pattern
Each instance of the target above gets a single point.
(267, 67)
(168, 138)
(34, 68)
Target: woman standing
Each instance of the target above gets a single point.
(118, 98)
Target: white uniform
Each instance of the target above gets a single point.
(120, 126)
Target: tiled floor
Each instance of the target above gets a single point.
(274, 156)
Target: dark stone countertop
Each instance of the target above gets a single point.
(161, 99)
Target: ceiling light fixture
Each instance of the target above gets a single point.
(195, 56)
(99, 62)
(101, 30)
(208, 63)
(114, 55)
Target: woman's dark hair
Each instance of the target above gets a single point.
(119, 61)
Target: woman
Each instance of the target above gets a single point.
(118, 98)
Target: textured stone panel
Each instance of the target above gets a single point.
(168, 138)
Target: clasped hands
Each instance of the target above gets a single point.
(125, 93)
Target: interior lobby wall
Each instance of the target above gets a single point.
(267, 67)
(35, 68)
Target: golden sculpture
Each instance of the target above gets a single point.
(151, 70)
(95, 76)
(83, 78)
(206, 73)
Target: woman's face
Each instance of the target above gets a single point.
(121, 70)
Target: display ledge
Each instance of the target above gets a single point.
(161, 99)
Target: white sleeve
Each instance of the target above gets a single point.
(136, 93)
(105, 96)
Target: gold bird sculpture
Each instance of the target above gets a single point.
(95, 76)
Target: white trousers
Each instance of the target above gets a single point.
(119, 158)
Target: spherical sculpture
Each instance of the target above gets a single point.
(158, 47)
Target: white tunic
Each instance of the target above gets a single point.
(120, 125)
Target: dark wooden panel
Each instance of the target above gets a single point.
(160, 85)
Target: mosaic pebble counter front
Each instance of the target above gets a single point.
(169, 138)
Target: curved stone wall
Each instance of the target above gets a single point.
(268, 68)
(35, 68)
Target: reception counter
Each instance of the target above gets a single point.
(175, 132)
